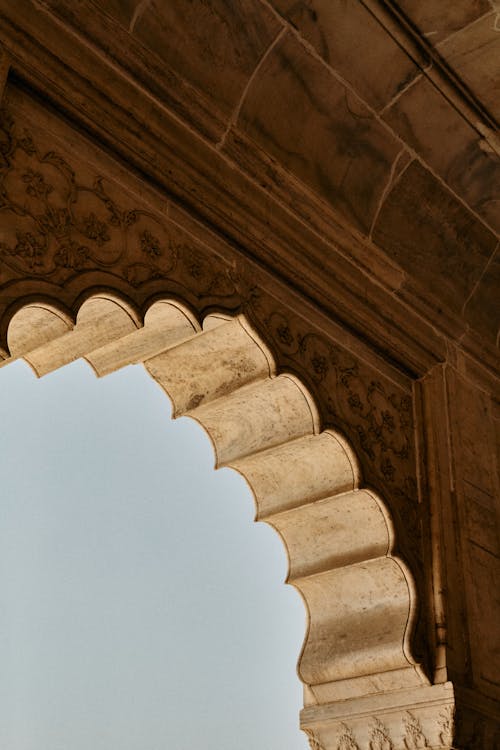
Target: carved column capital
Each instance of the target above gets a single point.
(436, 717)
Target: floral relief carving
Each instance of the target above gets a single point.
(346, 739)
(94, 229)
(375, 416)
(55, 223)
(446, 724)
(380, 738)
(414, 737)
(383, 420)
(61, 219)
(314, 743)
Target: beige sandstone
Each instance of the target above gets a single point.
(289, 212)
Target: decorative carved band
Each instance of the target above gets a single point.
(433, 717)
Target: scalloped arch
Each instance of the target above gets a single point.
(360, 596)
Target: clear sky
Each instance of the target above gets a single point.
(140, 606)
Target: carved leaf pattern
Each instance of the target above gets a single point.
(373, 413)
(346, 739)
(414, 737)
(55, 224)
(379, 737)
(446, 723)
(383, 419)
(314, 743)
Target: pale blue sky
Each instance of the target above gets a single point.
(140, 606)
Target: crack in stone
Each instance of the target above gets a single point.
(394, 176)
(141, 7)
(495, 5)
(236, 112)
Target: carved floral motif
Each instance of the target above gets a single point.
(55, 223)
(446, 727)
(380, 738)
(446, 724)
(314, 743)
(382, 420)
(346, 739)
(414, 737)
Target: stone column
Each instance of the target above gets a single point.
(462, 429)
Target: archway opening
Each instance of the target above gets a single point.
(339, 536)
(123, 581)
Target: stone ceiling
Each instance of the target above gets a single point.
(378, 114)
(466, 35)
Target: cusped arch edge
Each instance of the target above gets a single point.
(360, 597)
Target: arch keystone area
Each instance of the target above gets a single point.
(360, 597)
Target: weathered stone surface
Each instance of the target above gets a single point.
(216, 45)
(78, 222)
(338, 30)
(376, 412)
(433, 236)
(426, 120)
(306, 119)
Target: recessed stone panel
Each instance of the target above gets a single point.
(433, 236)
(485, 595)
(215, 45)
(483, 309)
(339, 30)
(304, 117)
(426, 120)
(473, 442)
(482, 522)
